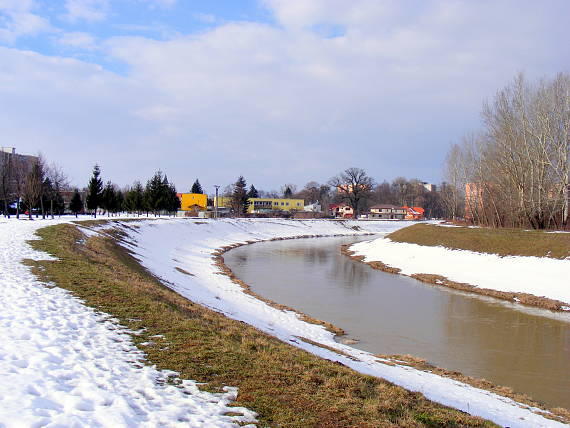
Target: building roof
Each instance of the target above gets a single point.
(384, 206)
(341, 205)
(415, 210)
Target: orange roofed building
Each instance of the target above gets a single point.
(414, 213)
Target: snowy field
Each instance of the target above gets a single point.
(63, 364)
(540, 276)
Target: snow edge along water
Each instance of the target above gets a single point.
(542, 277)
(182, 243)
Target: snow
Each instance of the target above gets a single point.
(187, 244)
(540, 276)
(62, 363)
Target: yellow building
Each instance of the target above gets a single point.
(193, 201)
(257, 205)
(223, 201)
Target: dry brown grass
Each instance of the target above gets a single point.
(504, 242)
(288, 387)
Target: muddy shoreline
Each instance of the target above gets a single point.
(218, 257)
(439, 280)
(559, 414)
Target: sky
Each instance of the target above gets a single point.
(279, 91)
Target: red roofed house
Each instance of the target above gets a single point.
(342, 210)
(414, 213)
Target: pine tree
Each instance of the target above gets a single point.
(156, 193)
(197, 188)
(173, 203)
(76, 204)
(138, 197)
(109, 198)
(288, 193)
(94, 191)
(239, 197)
(48, 195)
(253, 193)
(58, 203)
(119, 201)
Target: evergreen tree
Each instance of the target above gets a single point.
(288, 193)
(197, 188)
(94, 191)
(76, 204)
(134, 198)
(154, 194)
(109, 200)
(119, 201)
(253, 193)
(48, 195)
(173, 202)
(58, 203)
(239, 200)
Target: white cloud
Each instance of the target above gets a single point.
(207, 18)
(161, 3)
(86, 10)
(78, 40)
(387, 93)
(17, 19)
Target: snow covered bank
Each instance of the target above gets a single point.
(540, 276)
(63, 364)
(164, 246)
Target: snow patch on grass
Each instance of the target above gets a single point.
(62, 363)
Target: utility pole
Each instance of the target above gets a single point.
(216, 202)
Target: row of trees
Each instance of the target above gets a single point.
(33, 186)
(514, 172)
(159, 196)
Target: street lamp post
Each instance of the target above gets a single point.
(216, 202)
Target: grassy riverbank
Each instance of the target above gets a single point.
(504, 242)
(285, 385)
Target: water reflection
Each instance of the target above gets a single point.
(509, 346)
(393, 314)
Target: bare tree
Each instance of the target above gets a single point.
(58, 181)
(517, 171)
(20, 174)
(34, 186)
(354, 186)
(315, 192)
(6, 180)
(288, 190)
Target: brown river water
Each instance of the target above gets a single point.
(508, 344)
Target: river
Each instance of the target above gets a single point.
(526, 349)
